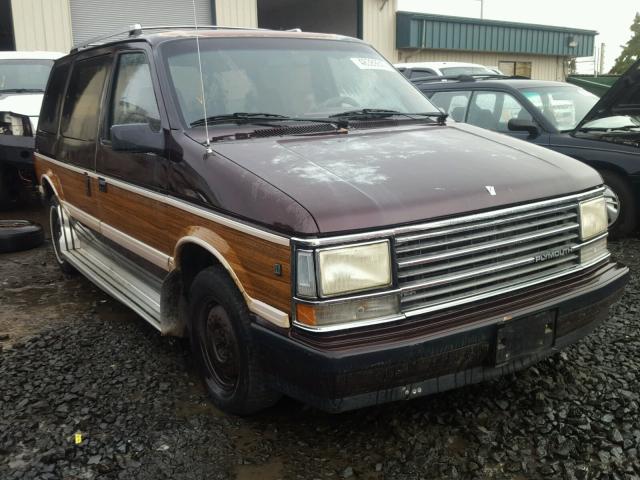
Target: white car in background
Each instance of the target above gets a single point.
(23, 78)
(444, 69)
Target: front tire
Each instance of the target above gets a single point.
(621, 205)
(222, 345)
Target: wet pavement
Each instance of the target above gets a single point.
(74, 361)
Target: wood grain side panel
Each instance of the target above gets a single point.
(161, 226)
(70, 185)
(141, 217)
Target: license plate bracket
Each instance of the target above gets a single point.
(524, 336)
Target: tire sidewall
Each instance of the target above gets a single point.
(210, 288)
(54, 208)
(627, 218)
(19, 235)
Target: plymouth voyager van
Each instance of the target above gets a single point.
(314, 224)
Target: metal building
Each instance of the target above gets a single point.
(536, 51)
(533, 50)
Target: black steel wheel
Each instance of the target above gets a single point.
(222, 345)
(220, 351)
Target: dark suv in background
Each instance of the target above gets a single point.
(604, 134)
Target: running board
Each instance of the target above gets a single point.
(112, 272)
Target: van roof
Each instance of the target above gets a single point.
(155, 35)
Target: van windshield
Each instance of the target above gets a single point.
(24, 75)
(303, 78)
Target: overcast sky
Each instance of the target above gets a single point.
(611, 18)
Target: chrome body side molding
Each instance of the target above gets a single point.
(177, 203)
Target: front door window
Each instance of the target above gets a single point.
(133, 100)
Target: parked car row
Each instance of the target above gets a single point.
(314, 224)
(444, 69)
(603, 133)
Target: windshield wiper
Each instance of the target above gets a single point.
(257, 118)
(238, 117)
(624, 128)
(22, 90)
(384, 113)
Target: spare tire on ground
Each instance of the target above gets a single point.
(16, 235)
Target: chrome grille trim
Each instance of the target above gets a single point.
(487, 224)
(422, 259)
(514, 288)
(458, 262)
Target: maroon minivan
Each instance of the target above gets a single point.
(315, 226)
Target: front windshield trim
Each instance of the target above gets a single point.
(343, 48)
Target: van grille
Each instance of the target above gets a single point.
(465, 258)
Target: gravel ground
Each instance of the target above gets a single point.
(74, 361)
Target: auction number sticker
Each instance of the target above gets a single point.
(371, 64)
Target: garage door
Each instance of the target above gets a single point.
(90, 18)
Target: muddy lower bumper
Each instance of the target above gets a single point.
(340, 379)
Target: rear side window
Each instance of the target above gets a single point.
(50, 113)
(454, 103)
(82, 102)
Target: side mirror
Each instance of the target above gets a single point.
(519, 125)
(136, 138)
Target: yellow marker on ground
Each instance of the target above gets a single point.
(78, 438)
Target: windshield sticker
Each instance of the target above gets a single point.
(371, 64)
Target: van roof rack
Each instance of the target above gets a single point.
(136, 30)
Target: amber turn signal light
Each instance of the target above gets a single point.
(306, 314)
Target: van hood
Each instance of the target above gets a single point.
(622, 99)
(22, 103)
(376, 178)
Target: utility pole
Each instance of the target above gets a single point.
(601, 66)
(481, 9)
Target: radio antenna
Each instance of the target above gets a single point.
(204, 101)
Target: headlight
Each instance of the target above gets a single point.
(342, 270)
(593, 218)
(354, 269)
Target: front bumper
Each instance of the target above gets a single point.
(344, 373)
